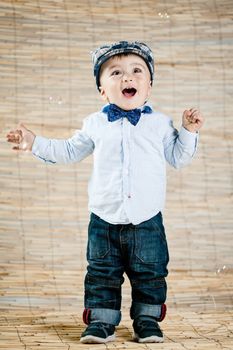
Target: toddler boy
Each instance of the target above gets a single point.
(131, 144)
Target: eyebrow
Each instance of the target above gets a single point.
(132, 64)
(114, 66)
(137, 64)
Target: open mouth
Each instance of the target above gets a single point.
(129, 92)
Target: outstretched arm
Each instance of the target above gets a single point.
(71, 150)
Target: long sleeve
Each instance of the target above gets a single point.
(128, 180)
(180, 147)
(71, 150)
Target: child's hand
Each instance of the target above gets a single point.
(192, 120)
(23, 137)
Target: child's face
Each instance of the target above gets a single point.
(125, 81)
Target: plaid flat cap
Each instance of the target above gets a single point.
(103, 53)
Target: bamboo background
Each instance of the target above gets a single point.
(47, 82)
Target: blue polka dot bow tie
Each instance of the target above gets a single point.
(114, 113)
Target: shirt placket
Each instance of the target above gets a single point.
(126, 159)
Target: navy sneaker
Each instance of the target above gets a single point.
(147, 331)
(98, 333)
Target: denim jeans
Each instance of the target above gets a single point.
(141, 252)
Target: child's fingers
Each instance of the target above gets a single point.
(190, 111)
(187, 112)
(192, 119)
(11, 138)
(188, 116)
(10, 135)
(193, 110)
(18, 132)
(15, 136)
(194, 115)
(197, 116)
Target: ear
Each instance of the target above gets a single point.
(103, 94)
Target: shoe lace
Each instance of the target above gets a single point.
(101, 325)
(145, 324)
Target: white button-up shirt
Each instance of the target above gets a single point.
(128, 182)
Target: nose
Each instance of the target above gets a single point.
(127, 77)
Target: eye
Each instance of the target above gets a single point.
(137, 70)
(116, 72)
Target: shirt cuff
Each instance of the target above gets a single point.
(188, 138)
(39, 144)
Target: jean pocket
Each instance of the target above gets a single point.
(98, 244)
(150, 242)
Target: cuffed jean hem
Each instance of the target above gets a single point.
(109, 316)
(156, 311)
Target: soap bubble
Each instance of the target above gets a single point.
(225, 269)
(55, 100)
(163, 15)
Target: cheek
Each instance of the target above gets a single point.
(147, 88)
(112, 89)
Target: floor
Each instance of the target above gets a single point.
(199, 317)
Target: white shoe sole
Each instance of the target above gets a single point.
(152, 339)
(91, 339)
